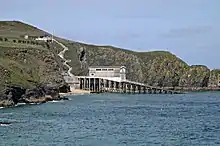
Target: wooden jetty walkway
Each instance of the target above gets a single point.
(104, 84)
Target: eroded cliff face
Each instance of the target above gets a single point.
(163, 69)
(195, 76)
(213, 79)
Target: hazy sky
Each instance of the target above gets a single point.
(188, 28)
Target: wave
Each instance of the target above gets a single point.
(20, 104)
(32, 103)
(55, 101)
(1, 107)
(5, 125)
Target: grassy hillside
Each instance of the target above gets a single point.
(26, 64)
(17, 29)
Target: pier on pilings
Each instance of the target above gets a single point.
(109, 85)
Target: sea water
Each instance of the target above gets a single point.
(116, 119)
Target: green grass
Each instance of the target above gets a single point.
(17, 29)
(18, 71)
(10, 44)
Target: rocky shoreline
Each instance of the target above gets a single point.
(13, 95)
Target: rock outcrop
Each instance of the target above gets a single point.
(64, 88)
(195, 76)
(213, 79)
(11, 96)
(43, 93)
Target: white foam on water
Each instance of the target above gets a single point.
(19, 104)
(5, 125)
(1, 107)
(33, 103)
(55, 101)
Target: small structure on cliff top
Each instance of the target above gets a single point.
(44, 38)
(26, 37)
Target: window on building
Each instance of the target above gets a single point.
(98, 69)
(104, 69)
(110, 69)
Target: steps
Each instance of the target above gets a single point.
(61, 55)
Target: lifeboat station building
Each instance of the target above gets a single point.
(117, 73)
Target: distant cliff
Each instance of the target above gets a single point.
(157, 68)
(27, 63)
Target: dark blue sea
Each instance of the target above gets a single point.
(116, 120)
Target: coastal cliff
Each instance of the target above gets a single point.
(157, 68)
(26, 63)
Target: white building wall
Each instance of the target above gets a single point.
(111, 72)
(43, 39)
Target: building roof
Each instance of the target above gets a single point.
(106, 66)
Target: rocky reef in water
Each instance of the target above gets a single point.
(13, 95)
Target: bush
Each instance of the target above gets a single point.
(14, 41)
(1, 39)
(19, 41)
(5, 39)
